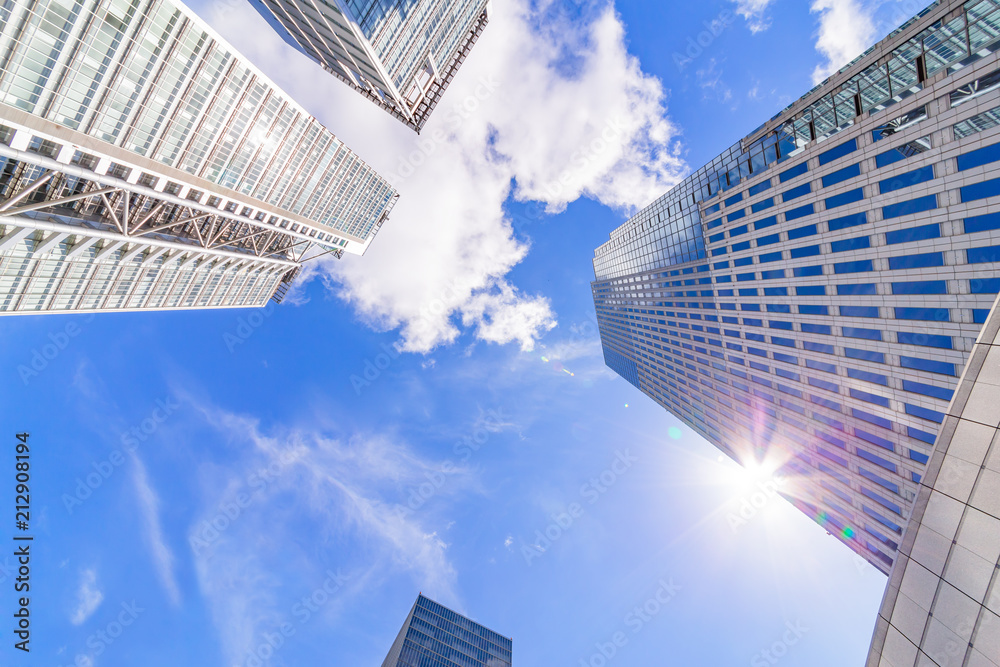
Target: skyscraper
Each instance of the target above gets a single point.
(401, 54)
(144, 164)
(943, 597)
(808, 299)
(436, 636)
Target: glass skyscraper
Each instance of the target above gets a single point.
(144, 164)
(435, 636)
(401, 54)
(808, 300)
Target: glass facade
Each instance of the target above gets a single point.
(809, 298)
(401, 54)
(435, 636)
(145, 165)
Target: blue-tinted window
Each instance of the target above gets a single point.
(771, 275)
(760, 187)
(845, 198)
(846, 221)
(909, 207)
(712, 224)
(857, 243)
(984, 285)
(920, 261)
(787, 342)
(866, 334)
(739, 231)
(864, 355)
(737, 247)
(877, 460)
(800, 212)
(778, 324)
(859, 311)
(824, 329)
(891, 156)
(874, 439)
(829, 421)
(714, 208)
(833, 457)
(841, 175)
(787, 358)
(762, 205)
(907, 179)
(921, 233)
(770, 257)
(721, 265)
(775, 291)
(748, 291)
(750, 306)
(787, 374)
(807, 251)
(814, 310)
(796, 192)
(870, 398)
(982, 190)
(979, 157)
(927, 390)
(820, 366)
(924, 413)
(807, 271)
(801, 232)
(743, 277)
(779, 308)
(857, 266)
(921, 287)
(851, 290)
(789, 174)
(868, 377)
(984, 254)
(818, 347)
(764, 223)
(919, 457)
(811, 290)
(924, 314)
(982, 223)
(738, 197)
(823, 384)
(879, 480)
(745, 261)
(719, 251)
(825, 402)
(979, 315)
(838, 151)
(715, 238)
(919, 364)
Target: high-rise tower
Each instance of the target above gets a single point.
(808, 300)
(144, 164)
(435, 635)
(401, 54)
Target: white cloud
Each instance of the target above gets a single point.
(352, 490)
(88, 597)
(846, 29)
(710, 81)
(550, 113)
(755, 13)
(149, 507)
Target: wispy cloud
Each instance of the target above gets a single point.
(88, 597)
(149, 507)
(340, 490)
(548, 107)
(846, 29)
(755, 13)
(711, 83)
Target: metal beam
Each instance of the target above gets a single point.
(58, 202)
(12, 238)
(37, 183)
(81, 245)
(48, 243)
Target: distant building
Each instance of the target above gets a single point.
(435, 636)
(810, 297)
(401, 54)
(943, 597)
(145, 165)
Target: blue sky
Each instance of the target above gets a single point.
(418, 419)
